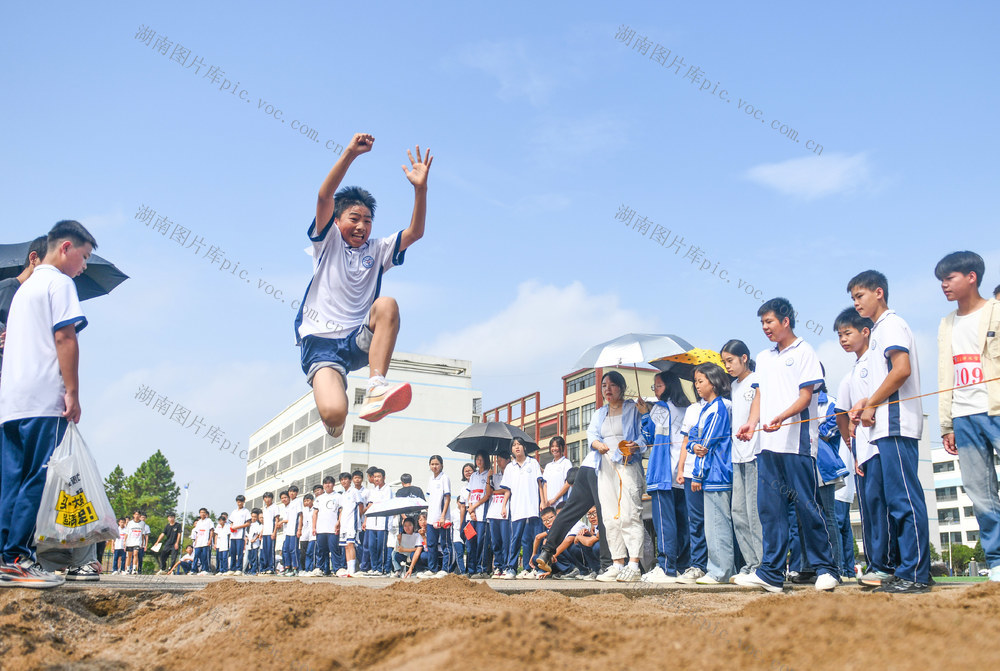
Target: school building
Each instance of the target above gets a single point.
(294, 448)
(954, 508)
(570, 416)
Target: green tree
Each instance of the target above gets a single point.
(153, 486)
(961, 555)
(119, 491)
(935, 556)
(978, 553)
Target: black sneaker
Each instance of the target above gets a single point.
(804, 578)
(87, 573)
(899, 586)
(544, 560)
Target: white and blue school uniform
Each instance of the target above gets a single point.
(268, 513)
(332, 322)
(499, 524)
(522, 481)
(439, 541)
(475, 490)
(786, 464)
(694, 501)
(831, 471)
(290, 546)
(620, 481)
(714, 472)
(32, 400)
(746, 519)
(898, 425)
(662, 429)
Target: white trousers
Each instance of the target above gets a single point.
(622, 521)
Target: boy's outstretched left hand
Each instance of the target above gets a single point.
(417, 173)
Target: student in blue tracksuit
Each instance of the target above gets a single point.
(713, 470)
(661, 427)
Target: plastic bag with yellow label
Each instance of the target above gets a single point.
(75, 510)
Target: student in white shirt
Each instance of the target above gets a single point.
(185, 564)
(239, 521)
(895, 415)
(476, 504)
(554, 485)
(326, 511)
(254, 534)
(118, 561)
(438, 519)
(222, 544)
(522, 484)
(145, 539)
(746, 521)
(307, 541)
(694, 501)
(291, 524)
(376, 528)
(409, 547)
(350, 503)
(496, 515)
(133, 541)
(968, 356)
(268, 533)
(202, 534)
(788, 377)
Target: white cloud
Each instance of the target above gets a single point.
(815, 177)
(514, 70)
(534, 340)
(558, 141)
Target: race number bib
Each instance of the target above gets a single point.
(968, 369)
(475, 496)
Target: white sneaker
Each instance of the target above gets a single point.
(317, 572)
(384, 398)
(589, 577)
(753, 580)
(825, 582)
(526, 575)
(441, 574)
(237, 572)
(630, 573)
(995, 574)
(509, 575)
(707, 580)
(658, 575)
(690, 577)
(610, 574)
(342, 573)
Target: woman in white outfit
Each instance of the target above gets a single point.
(620, 481)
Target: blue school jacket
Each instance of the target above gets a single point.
(659, 470)
(715, 431)
(828, 462)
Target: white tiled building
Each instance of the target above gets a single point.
(954, 509)
(294, 448)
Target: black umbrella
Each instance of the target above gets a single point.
(100, 277)
(405, 505)
(493, 437)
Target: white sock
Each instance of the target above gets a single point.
(375, 381)
(352, 565)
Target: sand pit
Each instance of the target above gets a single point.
(445, 623)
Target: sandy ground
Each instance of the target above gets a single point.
(448, 623)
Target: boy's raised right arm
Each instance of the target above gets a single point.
(361, 143)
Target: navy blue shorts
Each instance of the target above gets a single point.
(341, 354)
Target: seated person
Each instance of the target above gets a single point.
(586, 547)
(409, 550)
(564, 568)
(185, 563)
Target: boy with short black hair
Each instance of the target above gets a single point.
(239, 521)
(893, 412)
(118, 558)
(307, 538)
(326, 510)
(39, 395)
(291, 524)
(853, 331)
(133, 541)
(350, 502)
(788, 378)
(202, 534)
(222, 546)
(254, 532)
(269, 532)
(343, 324)
(969, 408)
(186, 562)
(376, 528)
(171, 539)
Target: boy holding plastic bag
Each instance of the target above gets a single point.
(39, 397)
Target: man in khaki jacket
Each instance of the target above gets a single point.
(969, 367)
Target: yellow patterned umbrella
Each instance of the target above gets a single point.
(684, 364)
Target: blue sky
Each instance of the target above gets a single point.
(543, 125)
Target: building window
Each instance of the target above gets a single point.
(972, 536)
(580, 383)
(359, 396)
(586, 412)
(573, 420)
(286, 433)
(301, 423)
(944, 466)
(968, 511)
(250, 479)
(948, 516)
(315, 447)
(947, 494)
(359, 467)
(477, 406)
(548, 430)
(298, 456)
(272, 441)
(285, 462)
(360, 434)
(313, 416)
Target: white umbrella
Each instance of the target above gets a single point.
(631, 349)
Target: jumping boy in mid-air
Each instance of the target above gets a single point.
(343, 324)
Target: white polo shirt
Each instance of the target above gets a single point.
(853, 388)
(202, 532)
(744, 451)
(32, 384)
(496, 501)
(292, 512)
(328, 510)
(268, 513)
(346, 281)
(437, 489)
(554, 475)
(254, 531)
(475, 490)
(308, 533)
(133, 534)
(780, 376)
(237, 517)
(522, 481)
(222, 537)
(120, 540)
(906, 418)
(376, 494)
